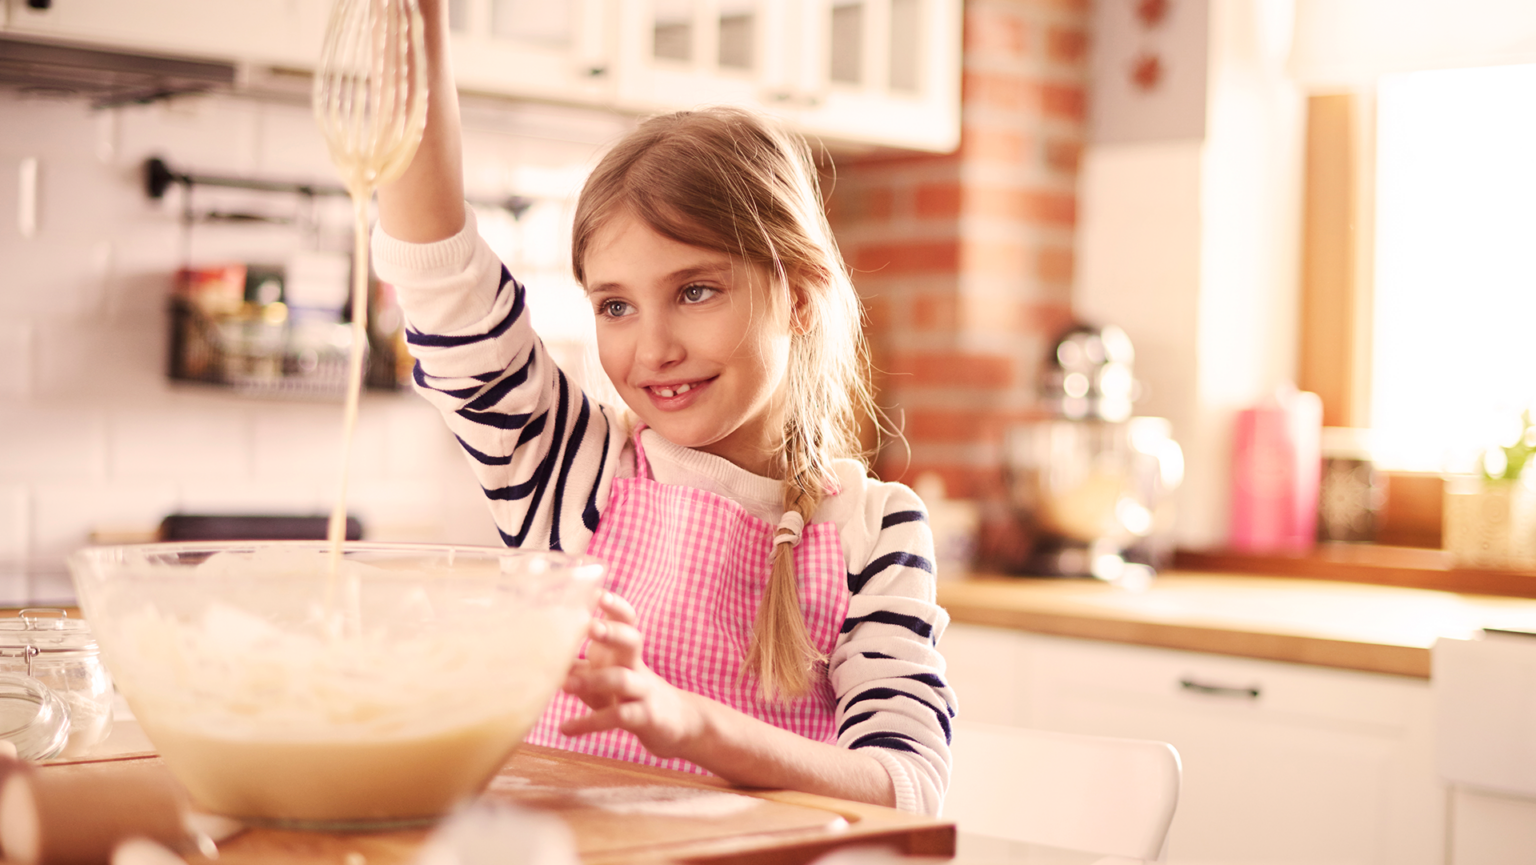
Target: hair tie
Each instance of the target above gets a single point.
(789, 528)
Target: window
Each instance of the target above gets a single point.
(1453, 326)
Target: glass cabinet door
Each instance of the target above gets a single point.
(546, 49)
(683, 53)
(886, 71)
(877, 44)
(860, 71)
(672, 31)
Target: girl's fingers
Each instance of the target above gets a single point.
(634, 717)
(601, 687)
(620, 639)
(617, 609)
(596, 721)
(575, 684)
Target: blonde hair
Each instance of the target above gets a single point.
(728, 180)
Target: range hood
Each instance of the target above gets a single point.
(105, 77)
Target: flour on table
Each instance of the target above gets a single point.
(667, 801)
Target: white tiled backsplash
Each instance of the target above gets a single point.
(95, 441)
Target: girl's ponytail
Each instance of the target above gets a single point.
(782, 654)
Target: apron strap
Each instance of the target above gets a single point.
(642, 465)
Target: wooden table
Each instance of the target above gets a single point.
(617, 812)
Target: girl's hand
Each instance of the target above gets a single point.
(426, 203)
(622, 691)
(670, 722)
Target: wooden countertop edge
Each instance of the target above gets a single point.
(1402, 567)
(935, 839)
(1295, 648)
(790, 846)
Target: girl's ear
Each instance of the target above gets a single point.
(802, 312)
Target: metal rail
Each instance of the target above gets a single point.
(158, 177)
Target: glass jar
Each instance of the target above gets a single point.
(32, 717)
(59, 653)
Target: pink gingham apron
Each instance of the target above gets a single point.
(694, 564)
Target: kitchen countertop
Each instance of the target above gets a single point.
(1372, 628)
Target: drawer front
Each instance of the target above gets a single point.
(1293, 693)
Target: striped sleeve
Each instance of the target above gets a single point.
(544, 453)
(892, 697)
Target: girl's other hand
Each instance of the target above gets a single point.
(624, 693)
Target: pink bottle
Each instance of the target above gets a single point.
(1276, 465)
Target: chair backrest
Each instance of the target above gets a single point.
(1093, 794)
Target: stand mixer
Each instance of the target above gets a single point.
(1093, 483)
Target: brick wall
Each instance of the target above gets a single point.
(965, 260)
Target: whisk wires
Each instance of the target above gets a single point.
(370, 90)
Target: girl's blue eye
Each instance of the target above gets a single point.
(697, 293)
(613, 308)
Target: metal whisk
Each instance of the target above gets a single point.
(370, 101)
(370, 92)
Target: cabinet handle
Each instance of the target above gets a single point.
(1251, 692)
(799, 100)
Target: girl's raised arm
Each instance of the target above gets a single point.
(427, 202)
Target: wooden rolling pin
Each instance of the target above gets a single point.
(78, 814)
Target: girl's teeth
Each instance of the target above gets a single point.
(667, 391)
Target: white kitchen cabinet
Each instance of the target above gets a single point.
(1282, 762)
(1490, 828)
(853, 72)
(275, 32)
(1485, 723)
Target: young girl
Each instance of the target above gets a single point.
(770, 615)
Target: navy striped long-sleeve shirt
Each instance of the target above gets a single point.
(546, 455)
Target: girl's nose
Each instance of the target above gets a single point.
(659, 344)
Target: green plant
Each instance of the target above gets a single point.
(1507, 462)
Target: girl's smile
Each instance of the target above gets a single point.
(676, 396)
(694, 340)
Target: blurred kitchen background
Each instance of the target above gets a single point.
(1220, 180)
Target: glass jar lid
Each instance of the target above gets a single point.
(45, 630)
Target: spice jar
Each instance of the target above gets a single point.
(61, 655)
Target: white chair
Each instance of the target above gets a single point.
(1092, 794)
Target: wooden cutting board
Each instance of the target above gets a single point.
(616, 812)
(621, 812)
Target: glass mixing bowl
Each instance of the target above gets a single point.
(381, 693)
